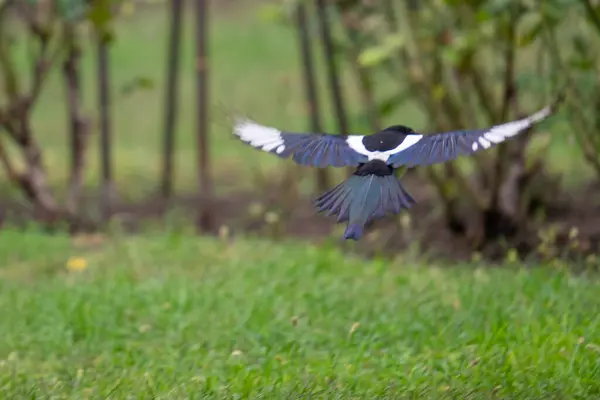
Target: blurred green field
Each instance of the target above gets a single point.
(174, 316)
(254, 70)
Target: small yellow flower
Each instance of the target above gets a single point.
(573, 233)
(77, 264)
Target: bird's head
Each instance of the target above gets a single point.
(399, 129)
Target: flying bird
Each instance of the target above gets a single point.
(373, 190)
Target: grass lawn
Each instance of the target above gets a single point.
(175, 316)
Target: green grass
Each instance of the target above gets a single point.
(174, 316)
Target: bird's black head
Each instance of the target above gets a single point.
(400, 129)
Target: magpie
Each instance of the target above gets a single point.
(373, 190)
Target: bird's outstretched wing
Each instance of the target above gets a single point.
(442, 147)
(312, 149)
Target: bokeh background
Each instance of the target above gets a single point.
(145, 250)
(149, 129)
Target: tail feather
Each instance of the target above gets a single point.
(354, 232)
(404, 199)
(360, 199)
(332, 202)
(326, 200)
(339, 203)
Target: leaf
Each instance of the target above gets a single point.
(451, 55)
(531, 34)
(551, 12)
(581, 45)
(375, 55)
(582, 64)
(137, 83)
(390, 105)
(498, 6)
(439, 92)
(271, 13)
(73, 10)
(100, 14)
(483, 16)
(280, 13)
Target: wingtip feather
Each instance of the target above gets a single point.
(259, 136)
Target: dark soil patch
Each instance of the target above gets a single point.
(425, 231)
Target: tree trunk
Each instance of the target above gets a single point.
(205, 220)
(332, 70)
(171, 98)
(312, 98)
(79, 126)
(107, 185)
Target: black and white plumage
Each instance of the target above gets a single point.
(317, 150)
(373, 190)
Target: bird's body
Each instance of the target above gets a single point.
(373, 190)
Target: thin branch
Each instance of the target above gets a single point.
(105, 122)
(7, 69)
(332, 67)
(466, 186)
(417, 72)
(449, 200)
(4, 7)
(79, 125)
(171, 98)
(11, 172)
(509, 94)
(365, 84)
(310, 85)
(205, 218)
(40, 69)
(483, 90)
(582, 132)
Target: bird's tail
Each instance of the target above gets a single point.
(360, 199)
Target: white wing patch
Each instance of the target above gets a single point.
(259, 136)
(499, 133)
(355, 142)
(409, 141)
(485, 143)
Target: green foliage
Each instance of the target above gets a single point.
(576, 60)
(101, 15)
(281, 13)
(73, 10)
(136, 84)
(451, 55)
(376, 55)
(175, 316)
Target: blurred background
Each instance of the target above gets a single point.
(120, 113)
